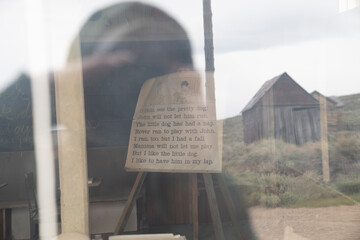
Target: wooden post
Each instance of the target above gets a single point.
(120, 227)
(229, 203)
(194, 203)
(69, 94)
(324, 139)
(209, 51)
(213, 205)
(210, 98)
(5, 223)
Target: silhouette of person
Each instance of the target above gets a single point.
(122, 47)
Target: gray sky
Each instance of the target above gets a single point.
(310, 40)
(254, 41)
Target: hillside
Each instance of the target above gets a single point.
(351, 109)
(272, 173)
(233, 129)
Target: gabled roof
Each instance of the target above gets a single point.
(262, 91)
(338, 102)
(283, 98)
(293, 94)
(333, 99)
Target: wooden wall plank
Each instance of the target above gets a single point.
(213, 204)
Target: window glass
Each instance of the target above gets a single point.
(278, 116)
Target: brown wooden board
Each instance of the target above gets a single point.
(213, 204)
(130, 203)
(195, 208)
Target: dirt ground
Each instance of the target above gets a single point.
(330, 223)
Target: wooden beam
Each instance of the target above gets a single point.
(195, 208)
(229, 203)
(209, 51)
(213, 205)
(324, 139)
(120, 227)
(3, 223)
(208, 36)
(69, 93)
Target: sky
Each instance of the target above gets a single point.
(253, 40)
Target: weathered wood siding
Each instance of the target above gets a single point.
(282, 109)
(306, 125)
(334, 112)
(284, 124)
(335, 117)
(296, 125)
(251, 123)
(286, 92)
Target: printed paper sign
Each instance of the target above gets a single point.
(173, 129)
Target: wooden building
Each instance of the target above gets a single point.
(282, 109)
(334, 110)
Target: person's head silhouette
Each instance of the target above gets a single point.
(122, 46)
